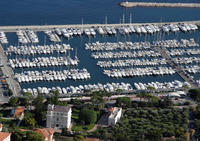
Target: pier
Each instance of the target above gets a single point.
(13, 84)
(180, 70)
(80, 26)
(158, 4)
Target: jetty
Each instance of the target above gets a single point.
(158, 4)
(179, 69)
(84, 26)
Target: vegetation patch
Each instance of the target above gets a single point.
(80, 128)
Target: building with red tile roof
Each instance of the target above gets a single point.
(47, 133)
(1, 127)
(5, 136)
(19, 112)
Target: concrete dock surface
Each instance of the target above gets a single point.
(159, 4)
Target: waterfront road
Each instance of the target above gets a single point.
(8, 72)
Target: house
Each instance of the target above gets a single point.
(58, 116)
(18, 112)
(47, 133)
(1, 127)
(5, 136)
(115, 114)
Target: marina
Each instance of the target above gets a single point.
(119, 60)
(122, 49)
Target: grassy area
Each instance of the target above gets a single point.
(75, 114)
(78, 128)
(8, 122)
(5, 113)
(62, 138)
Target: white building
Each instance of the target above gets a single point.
(5, 136)
(1, 127)
(114, 115)
(58, 116)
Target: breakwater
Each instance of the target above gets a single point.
(155, 4)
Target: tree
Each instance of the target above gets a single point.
(39, 108)
(17, 135)
(33, 136)
(29, 121)
(13, 101)
(23, 101)
(123, 102)
(195, 94)
(166, 102)
(88, 116)
(29, 98)
(65, 132)
(78, 138)
(98, 100)
(54, 98)
(10, 92)
(179, 132)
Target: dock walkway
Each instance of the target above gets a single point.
(158, 4)
(180, 70)
(13, 84)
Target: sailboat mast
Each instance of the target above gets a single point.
(82, 23)
(130, 18)
(123, 19)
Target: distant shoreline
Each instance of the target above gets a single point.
(158, 4)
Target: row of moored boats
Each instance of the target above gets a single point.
(43, 62)
(132, 62)
(51, 75)
(38, 49)
(136, 72)
(109, 87)
(27, 36)
(3, 38)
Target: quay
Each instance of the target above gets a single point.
(13, 84)
(158, 4)
(82, 26)
(180, 70)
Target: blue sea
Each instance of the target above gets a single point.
(45, 12)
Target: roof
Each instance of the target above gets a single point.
(91, 139)
(4, 135)
(57, 108)
(18, 111)
(45, 132)
(111, 109)
(115, 112)
(24, 130)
